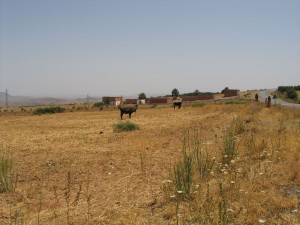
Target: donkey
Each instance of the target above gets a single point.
(127, 110)
(178, 104)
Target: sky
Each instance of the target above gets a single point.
(65, 48)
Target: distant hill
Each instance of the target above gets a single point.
(2, 95)
(34, 101)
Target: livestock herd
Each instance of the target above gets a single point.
(130, 110)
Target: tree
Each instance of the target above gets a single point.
(196, 92)
(292, 93)
(224, 90)
(175, 92)
(142, 96)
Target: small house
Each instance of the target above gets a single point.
(231, 93)
(141, 101)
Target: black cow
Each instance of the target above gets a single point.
(177, 104)
(127, 110)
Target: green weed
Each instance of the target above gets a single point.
(125, 126)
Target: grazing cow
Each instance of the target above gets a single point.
(127, 110)
(178, 104)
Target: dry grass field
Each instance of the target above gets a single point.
(215, 164)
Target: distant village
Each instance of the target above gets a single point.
(118, 100)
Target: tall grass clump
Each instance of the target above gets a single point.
(197, 188)
(125, 126)
(48, 110)
(229, 139)
(183, 172)
(194, 164)
(6, 173)
(238, 126)
(229, 143)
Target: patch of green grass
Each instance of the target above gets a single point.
(125, 126)
(48, 110)
(199, 104)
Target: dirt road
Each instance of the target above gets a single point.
(262, 95)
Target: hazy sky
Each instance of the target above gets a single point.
(124, 47)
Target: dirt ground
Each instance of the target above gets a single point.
(72, 168)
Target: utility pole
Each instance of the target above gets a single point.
(87, 98)
(6, 98)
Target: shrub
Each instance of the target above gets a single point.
(125, 126)
(281, 89)
(292, 93)
(199, 104)
(99, 104)
(48, 110)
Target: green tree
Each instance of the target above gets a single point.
(224, 90)
(292, 93)
(142, 96)
(196, 92)
(175, 92)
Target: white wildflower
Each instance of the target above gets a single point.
(166, 181)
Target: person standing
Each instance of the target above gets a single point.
(269, 101)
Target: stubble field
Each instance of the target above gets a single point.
(72, 168)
